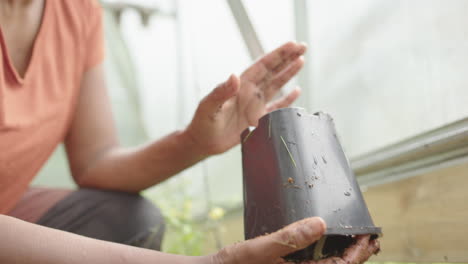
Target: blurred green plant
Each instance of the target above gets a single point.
(186, 233)
(185, 236)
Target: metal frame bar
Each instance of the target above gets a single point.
(180, 61)
(246, 29)
(301, 23)
(441, 147)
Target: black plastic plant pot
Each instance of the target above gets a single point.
(294, 167)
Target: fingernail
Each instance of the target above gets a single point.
(323, 225)
(315, 226)
(230, 80)
(228, 84)
(233, 83)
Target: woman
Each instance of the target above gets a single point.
(52, 90)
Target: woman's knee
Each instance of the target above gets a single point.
(147, 222)
(137, 217)
(107, 215)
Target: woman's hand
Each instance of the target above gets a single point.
(240, 101)
(270, 249)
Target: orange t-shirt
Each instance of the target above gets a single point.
(36, 111)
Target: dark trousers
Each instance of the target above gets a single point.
(106, 215)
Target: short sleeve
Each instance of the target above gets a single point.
(94, 38)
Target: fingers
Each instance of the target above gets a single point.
(284, 101)
(269, 248)
(293, 237)
(283, 77)
(274, 62)
(362, 250)
(374, 246)
(223, 92)
(277, 60)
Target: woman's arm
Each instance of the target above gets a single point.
(97, 160)
(26, 243)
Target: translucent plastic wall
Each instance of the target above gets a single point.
(388, 70)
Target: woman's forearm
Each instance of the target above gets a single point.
(26, 243)
(133, 170)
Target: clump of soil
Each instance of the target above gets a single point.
(328, 246)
